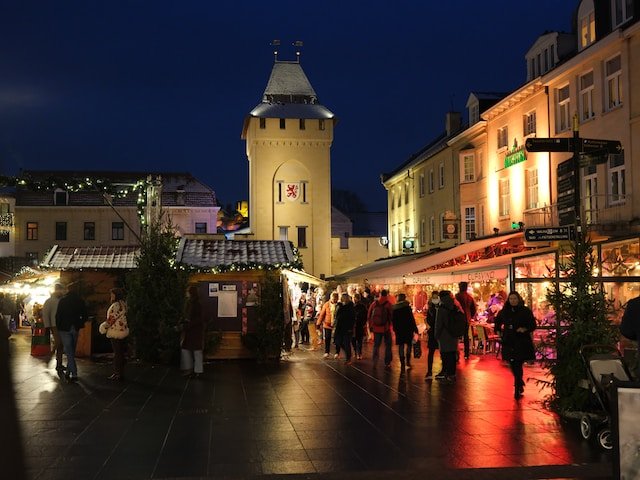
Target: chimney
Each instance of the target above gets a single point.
(453, 122)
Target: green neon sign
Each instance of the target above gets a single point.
(515, 156)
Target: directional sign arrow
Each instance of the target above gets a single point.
(548, 145)
(607, 146)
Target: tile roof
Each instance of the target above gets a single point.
(101, 258)
(212, 253)
(288, 78)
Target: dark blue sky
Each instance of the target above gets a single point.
(165, 85)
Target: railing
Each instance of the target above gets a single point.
(597, 210)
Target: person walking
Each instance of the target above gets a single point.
(432, 341)
(379, 320)
(344, 324)
(515, 323)
(325, 321)
(117, 330)
(469, 308)
(360, 310)
(192, 344)
(404, 326)
(447, 342)
(49, 310)
(71, 316)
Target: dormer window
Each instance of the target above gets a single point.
(621, 11)
(60, 198)
(180, 196)
(587, 30)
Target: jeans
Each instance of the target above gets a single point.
(402, 347)
(304, 331)
(432, 351)
(327, 340)
(357, 344)
(191, 359)
(448, 363)
(345, 343)
(69, 342)
(516, 368)
(377, 340)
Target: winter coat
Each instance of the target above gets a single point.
(71, 312)
(468, 305)
(516, 345)
(384, 302)
(631, 319)
(193, 327)
(432, 311)
(446, 341)
(49, 310)
(404, 325)
(345, 319)
(117, 320)
(360, 309)
(327, 312)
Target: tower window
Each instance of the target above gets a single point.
(321, 124)
(263, 123)
(302, 124)
(302, 237)
(283, 124)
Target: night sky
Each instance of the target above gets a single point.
(165, 85)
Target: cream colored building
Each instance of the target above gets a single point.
(288, 140)
(91, 219)
(423, 197)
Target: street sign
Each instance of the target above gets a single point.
(607, 146)
(549, 145)
(546, 234)
(565, 168)
(595, 157)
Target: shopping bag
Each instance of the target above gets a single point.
(417, 349)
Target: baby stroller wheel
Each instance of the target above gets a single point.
(604, 439)
(586, 427)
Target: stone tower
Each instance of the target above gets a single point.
(288, 140)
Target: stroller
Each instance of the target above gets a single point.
(603, 371)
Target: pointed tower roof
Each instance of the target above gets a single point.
(289, 94)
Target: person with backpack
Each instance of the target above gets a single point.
(449, 319)
(515, 323)
(469, 308)
(379, 318)
(404, 326)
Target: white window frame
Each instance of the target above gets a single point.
(423, 231)
(406, 193)
(563, 109)
(442, 227)
(585, 97)
(590, 189)
(399, 196)
(587, 29)
(469, 212)
(625, 14)
(441, 175)
(432, 181)
(617, 179)
(612, 84)
(421, 185)
(504, 197)
(432, 230)
(532, 179)
(529, 124)
(392, 196)
(468, 167)
(283, 232)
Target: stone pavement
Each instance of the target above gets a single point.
(308, 417)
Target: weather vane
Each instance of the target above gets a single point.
(297, 44)
(275, 44)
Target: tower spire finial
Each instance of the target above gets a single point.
(275, 44)
(298, 44)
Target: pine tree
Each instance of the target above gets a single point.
(583, 316)
(156, 293)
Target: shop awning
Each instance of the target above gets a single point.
(300, 276)
(422, 263)
(365, 271)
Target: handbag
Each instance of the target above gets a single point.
(417, 349)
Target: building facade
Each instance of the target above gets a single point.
(90, 218)
(288, 140)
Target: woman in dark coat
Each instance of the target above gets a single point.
(515, 323)
(360, 310)
(192, 343)
(404, 326)
(432, 341)
(447, 343)
(343, 326)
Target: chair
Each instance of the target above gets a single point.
(494, 341)
(482, 339)
(473, 338)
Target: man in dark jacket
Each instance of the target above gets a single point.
(70, 318)
(404, 326)
(447, 342)
(468, 305)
